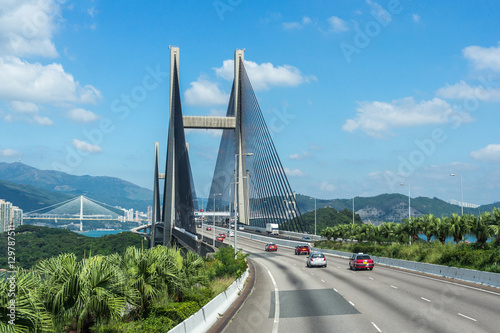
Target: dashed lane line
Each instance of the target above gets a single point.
(470, 318)
(376, 327)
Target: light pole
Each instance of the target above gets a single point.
(461, 194)
(409, 211)
(213, 241)
(236, 181)
(202, 219)
(352, 209)
(314, 216)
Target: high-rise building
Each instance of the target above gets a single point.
(5, 211)
(9, 216)
(16, 216)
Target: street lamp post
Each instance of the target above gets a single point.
(461, 194)
(213, 241)
(409, 211)
(352, 209)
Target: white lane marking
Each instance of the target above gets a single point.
(449, 282)
(322, 280)
(335, 290)
(339, 267)
(352, 303)
(394, 287)
(370, 278)
(425, 299)
(378, 329)
(466, 317)
(276, 302)
(312, 273)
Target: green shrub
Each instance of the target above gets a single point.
(157, 324)
(227, 265)
(199, 295)
(177, 312)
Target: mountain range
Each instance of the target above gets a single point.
(42, 187)
(30, 188)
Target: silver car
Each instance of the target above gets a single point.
(316, 259)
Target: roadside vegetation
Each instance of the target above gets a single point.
(137, 290)
(402, 240)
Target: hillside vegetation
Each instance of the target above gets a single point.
(34, 243)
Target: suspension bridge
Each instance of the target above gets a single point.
(249, 180)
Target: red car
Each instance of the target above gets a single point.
(302, 249)
(361, 261)
(271, 247)
(223, 235)
(209, 228)
(219, 239)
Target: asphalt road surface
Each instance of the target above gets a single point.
(289, 297)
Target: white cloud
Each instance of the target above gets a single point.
(86, 147)
(36, 83)
(325, 186)
(379, 11)
(299, 156)
(27, 27)
(92, 11)
(205, 93)
(266, 75)
(82, 116)
(297, 25)
(43, 121)
(24, 107)
(416, 18)
(464, 91)
(337, 24)
(483, 58)
(378, 118)
(293, 173)
(488, 153)
(9, 152)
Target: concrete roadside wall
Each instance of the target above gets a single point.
(469, 275)
(202, 320)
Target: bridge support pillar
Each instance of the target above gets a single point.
(241, 176)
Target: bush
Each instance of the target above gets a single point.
(177, 312)
(227, 265)
(199, 295)
(154, 324)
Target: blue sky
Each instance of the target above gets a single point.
(360, 96)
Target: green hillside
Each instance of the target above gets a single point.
(33, 243)
(28, 197)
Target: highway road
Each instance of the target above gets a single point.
(288, 297)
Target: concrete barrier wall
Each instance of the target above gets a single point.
(202, 320)
(469, 275)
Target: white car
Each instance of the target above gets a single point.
(241, 227)
(316, 259)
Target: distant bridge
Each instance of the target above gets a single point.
(79, 208)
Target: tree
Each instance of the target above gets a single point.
(494, 223)
(441, 228)
(479, 227)
(30, 314)
(79, 293)
(412, 228)
(458, 227)
(328, 233)
(386, 230)
(427, 225)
